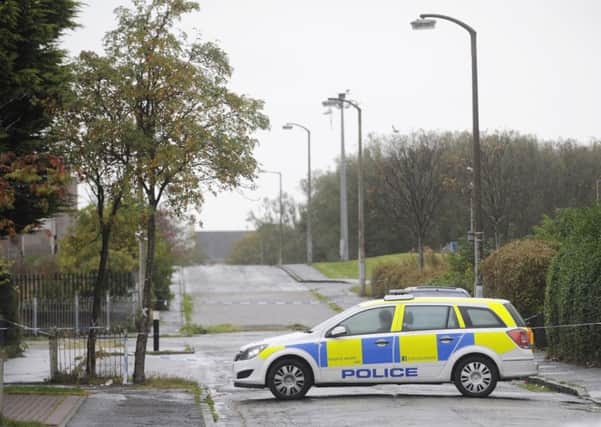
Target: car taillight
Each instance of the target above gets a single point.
(520, 337)
(531, 336)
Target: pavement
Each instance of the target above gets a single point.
(53, 410)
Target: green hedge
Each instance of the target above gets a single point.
(573, 293)
(8, 309)
(517, 272)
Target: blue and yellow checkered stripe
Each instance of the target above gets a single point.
(401, 348)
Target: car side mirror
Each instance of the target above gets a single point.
(338, 331)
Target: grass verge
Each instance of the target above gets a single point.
(170, 383)
(335, 307)
(350, 269)
(536, 387)
(41, 389)
(187, 308)
(5, 422)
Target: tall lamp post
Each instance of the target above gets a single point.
(343, 201)
(341, 100)
(280, 257)
(289, 126)
(428, 21)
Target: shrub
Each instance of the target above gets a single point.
(517, 272)
(573, 294)
(8, 310)
(403, 273)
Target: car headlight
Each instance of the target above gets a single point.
(251, 352)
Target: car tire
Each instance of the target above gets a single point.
(475, 376)
(289, 379)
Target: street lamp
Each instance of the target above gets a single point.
(341, 100)
(280, 257)
(428, 21)
(343, 201)
(290, 126)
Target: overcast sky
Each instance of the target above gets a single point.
(539, 72)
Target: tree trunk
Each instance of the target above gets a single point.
(99, 288)
(420, 252)
(143, 322)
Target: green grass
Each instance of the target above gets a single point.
(5, 422)
(335, 307)
(14, 389)
(350, 269)
(536, 388)
(187, 308)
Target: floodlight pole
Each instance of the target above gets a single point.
(361, 216)
(477, 192)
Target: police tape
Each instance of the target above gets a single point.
(569, 325)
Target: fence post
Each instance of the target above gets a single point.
(35, 316)
(76, 312)
(125, 360)
(53, 348)
(108, 310)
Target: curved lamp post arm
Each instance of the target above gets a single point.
(450, 19)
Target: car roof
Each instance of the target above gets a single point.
(419, 299)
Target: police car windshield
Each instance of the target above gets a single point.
(339, 317)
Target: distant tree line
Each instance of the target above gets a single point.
(418, 188)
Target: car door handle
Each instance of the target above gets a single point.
(446, 339)
(382, 343)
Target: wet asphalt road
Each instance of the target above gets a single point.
(250, 296)
(389, 405)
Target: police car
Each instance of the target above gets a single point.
(400, 339)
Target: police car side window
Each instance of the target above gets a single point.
(428, 317)
(480, 317)
(377, 320)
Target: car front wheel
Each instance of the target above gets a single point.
(475, 376)
(289, 379)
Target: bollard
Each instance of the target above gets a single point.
(155, 328)
(53, 349)
(76, 312)
(35, 316)
(125, 360)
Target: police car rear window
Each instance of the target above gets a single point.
(519, 321)
(480, 317)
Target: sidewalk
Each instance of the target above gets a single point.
(336, 291)
(568, 378)
(52, 410)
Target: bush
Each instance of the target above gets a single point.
(8, 310)
(573, 294)
(517, 272)
(403, 273)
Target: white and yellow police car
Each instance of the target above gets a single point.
(400, 339)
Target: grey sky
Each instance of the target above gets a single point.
(539, 68)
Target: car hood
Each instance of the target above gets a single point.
(294, 337)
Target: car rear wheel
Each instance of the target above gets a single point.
(289, 379)
(475, 376)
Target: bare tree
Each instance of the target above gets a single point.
(411, 167)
